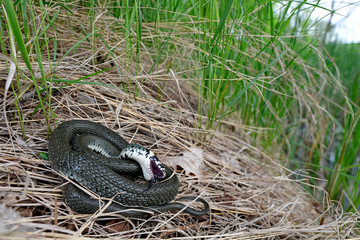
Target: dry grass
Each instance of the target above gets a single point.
(251, 195)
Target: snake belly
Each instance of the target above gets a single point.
(107, 176)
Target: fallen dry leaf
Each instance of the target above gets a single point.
(115, 226)
(191, 161)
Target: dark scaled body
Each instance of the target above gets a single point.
(100, 170)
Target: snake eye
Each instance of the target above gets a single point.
(157, 167)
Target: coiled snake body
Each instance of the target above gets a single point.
(103, 162)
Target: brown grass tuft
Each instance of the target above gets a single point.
(250, 194)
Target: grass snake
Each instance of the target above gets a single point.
(98, 159)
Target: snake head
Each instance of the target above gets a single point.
(151, 166)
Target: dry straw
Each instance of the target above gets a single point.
(251, 195)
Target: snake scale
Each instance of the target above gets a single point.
(97, 158)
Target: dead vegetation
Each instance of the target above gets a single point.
(251, 195)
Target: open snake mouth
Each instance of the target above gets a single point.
(155, 168)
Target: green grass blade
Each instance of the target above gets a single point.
(236, 99)
(221, 25)
(15, 27)
(75, 46)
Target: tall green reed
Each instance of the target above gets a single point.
(344, 181)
